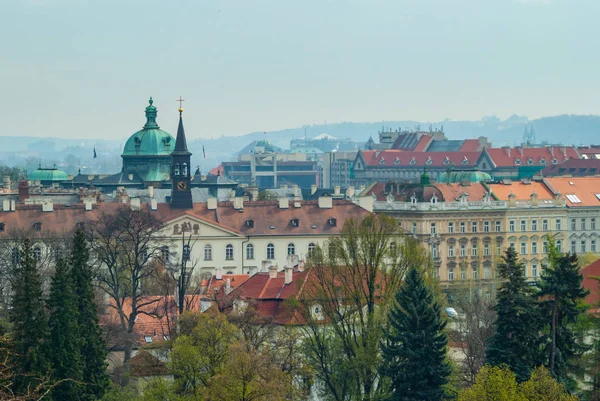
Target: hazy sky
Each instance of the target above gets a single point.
(77, 68)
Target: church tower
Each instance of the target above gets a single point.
(181, 193)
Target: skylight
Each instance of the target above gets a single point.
(574, 198)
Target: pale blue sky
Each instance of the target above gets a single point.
(77, 68)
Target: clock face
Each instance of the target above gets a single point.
(181, 185)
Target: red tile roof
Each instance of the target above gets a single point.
(574, 168)
(521, 190)
(508, 157)
(423, 143)
(402, 159)
(268, 218)
(589, 283)
(584, 189)
(217, 170)
(470, 145)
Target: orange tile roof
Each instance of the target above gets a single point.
(475, 191)
(521, 190)
(586, 189)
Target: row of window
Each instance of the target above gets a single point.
(512, 225)
(535, 249)
(487, 273)
(229, 251)
(474, 250)
(462, 227)
(583, 224)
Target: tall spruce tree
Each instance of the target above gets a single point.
(64, 343)
(30, 323)
(515, 342)
(414, 347)
(93, 348)
(561, 293)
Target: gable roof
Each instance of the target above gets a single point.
(584, 189)
(400, 159)
(509, 157)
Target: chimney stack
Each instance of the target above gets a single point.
(23, 190)
(150, 191)
(336, 190)
(253, 191)
(273, 271)
(228, 287)
(284, 202)
(219, 273)
(289, 274)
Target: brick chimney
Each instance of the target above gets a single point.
(23, 190)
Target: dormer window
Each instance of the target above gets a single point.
(250, 223)
(530, 161)
(428, 161)
(1, 227)
(518, 161)
(542, 161)
(396, 161)
(412, 161)
(37, 226)
(382, 161)
(465, 161)
(332, 221)
(446, 160)
(554, 161)
(295, 222)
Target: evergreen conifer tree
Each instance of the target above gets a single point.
(414, 347)
(30, 323)
(561, 293)
(93, 348)
(64, 343)
(515, 342)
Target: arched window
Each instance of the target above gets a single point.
(176, 169)
(16, 256)
(207, 252)
(184, 169)
(291, 249)
(311, 248)
(186, 252)
(229, 252)
(393, 247)
(37, 254)
(249, 251)
(270, 251)
(164, 253)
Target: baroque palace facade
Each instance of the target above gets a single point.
(467, 226)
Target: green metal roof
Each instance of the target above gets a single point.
(462, 176)
(150, 140)
(47, 174)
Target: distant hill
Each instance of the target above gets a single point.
(72, 154)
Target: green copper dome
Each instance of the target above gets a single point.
(451, 177)
(47, 174)
(150, 140)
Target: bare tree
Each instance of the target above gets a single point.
(471, 329)
(125, 249)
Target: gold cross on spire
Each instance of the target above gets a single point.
(180, 100)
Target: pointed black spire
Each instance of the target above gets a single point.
(180, 142)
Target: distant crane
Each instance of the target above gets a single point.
(529, 135)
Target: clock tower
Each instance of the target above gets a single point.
(181, 193)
